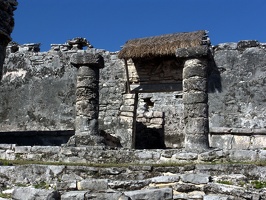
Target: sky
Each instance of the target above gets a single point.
(108, 24)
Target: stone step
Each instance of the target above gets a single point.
(186, 182)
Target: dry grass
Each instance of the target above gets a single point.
(161, 45)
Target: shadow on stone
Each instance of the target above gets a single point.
(214, 77)
(39, 138)
(110, 140)
(149, 138)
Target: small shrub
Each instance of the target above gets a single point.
(41, 185)
(242, 183)
(225, 182)
(5, 196)
(21, 185)
(258, 184)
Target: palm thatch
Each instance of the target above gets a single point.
(161, 45)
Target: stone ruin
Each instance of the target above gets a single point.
(130, 99)
(163, 108)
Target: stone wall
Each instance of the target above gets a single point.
(37, 90)
(112, 87)
(42, 88)
(161, 114)
(237, 95)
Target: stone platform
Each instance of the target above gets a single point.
(53, 172)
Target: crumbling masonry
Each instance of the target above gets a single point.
(160, 100)
(183, 94)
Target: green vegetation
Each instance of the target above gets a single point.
(41, 185)
(21, 185)
(106, 165)
(5, 196)
(242, 183)
(258, 184)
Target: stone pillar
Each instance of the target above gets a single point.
(195, 100)
(87, 99)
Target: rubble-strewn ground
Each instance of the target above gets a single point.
(96, 173)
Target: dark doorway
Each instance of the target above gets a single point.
(149, 138)
(36, 138)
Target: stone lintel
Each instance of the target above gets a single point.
(84, 58)
(192, 52)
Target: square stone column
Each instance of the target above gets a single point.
(87, 99)
(127, 121)
(195, 99)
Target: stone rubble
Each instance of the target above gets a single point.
(235, 105)
(191, 181)
(135, 174)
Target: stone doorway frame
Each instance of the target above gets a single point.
(193, 49)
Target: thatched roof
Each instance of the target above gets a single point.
(161, 45)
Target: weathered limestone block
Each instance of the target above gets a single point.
(86, 124)
(155, 194)
(195, 83)
(233, 191)
(195, 97)
(93, 184)
(195, 178)
(66, 185)
(31, 47)
(84, 58)
(241, 142)
(78, 43)
(197, 142)
(258, 141)
(221, 141)
(31, 193)
(165, 179)
(196, 110)
(74, 195)
(127, 108)
(196, 125)
(243, 156)
(192, 51)
(86, 108)
(127, 121)
(195, 67)
(158, 121)
(243, 44)
(186, 156)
